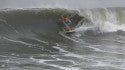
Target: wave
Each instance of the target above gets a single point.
(27, 22)
(46, 22)
(33, 33)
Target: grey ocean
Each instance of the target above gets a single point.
(31, 38)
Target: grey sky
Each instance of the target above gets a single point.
(61, 3)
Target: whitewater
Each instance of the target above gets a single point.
(31, 38)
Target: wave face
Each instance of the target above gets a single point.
(33, 39)
(23, 22)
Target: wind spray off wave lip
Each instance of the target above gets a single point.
(103, 20)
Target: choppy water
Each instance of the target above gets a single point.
(31, 39)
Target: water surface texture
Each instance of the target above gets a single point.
(31, 37)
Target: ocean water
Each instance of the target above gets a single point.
(33, 39)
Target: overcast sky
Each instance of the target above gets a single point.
(61, 3)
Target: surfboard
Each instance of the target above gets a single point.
(68, 33)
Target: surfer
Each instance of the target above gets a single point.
(67, 22)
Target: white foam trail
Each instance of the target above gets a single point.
(41, 41)
(67, 52)
(118, 41)
(54, 65)
(74, 55)
(100, 63)
(64, 68)
(17, 41)
(108, 63)
(61, 50)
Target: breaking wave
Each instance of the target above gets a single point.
(103, 20)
